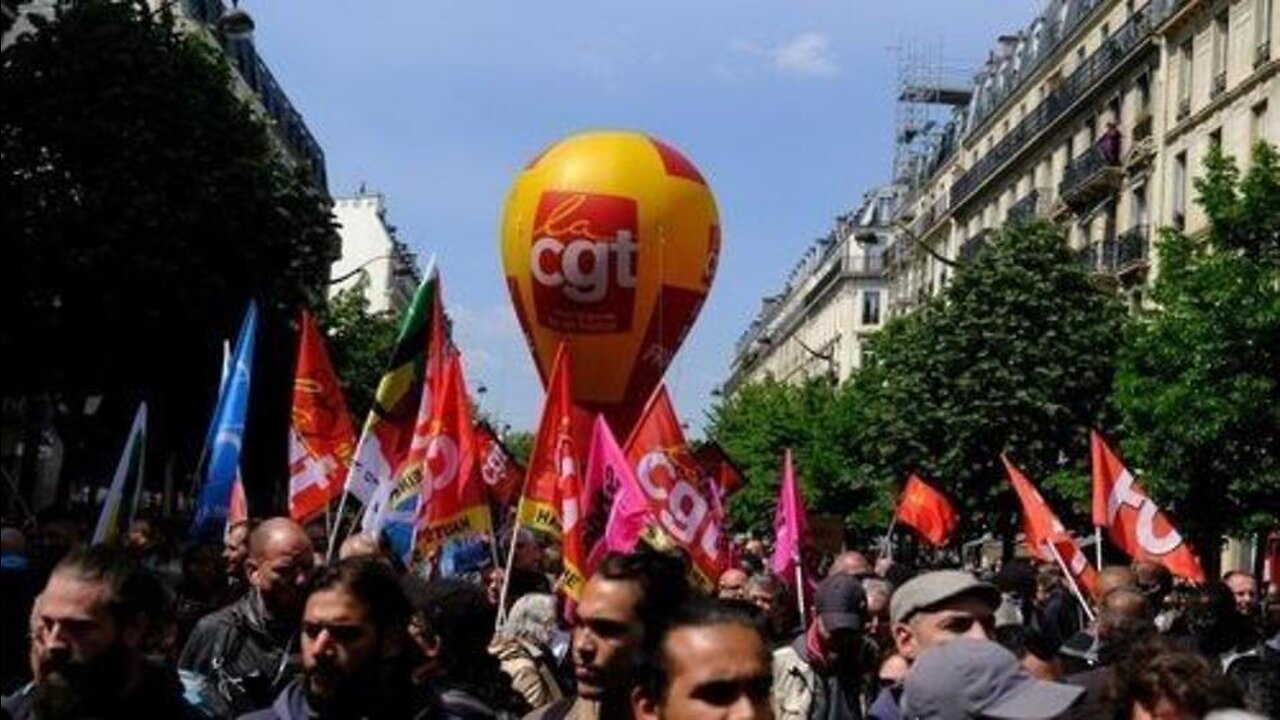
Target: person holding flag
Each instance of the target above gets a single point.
(1135, 523)
(1048, 540)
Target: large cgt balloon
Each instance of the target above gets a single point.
(610, 242)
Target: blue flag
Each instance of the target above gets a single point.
(223, 465)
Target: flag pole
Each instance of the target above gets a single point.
(886, 551)
(511, 558)
(337, 525)
(800, 591)
(1097, 545)
(1071, 580)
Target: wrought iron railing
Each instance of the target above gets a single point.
(972, 247)
(1084, 168)
(289, 125)
(1132, 247)
(1101, 64)
(1025, 209)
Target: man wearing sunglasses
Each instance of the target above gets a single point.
(931, 610)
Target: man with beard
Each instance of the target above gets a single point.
(816, 677)
(355, 650)
(87, 651)
(248, 650)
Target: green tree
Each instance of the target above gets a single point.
(1197, 388)
(1016, 355)
(145, 205)
(360, 344)
(760, 421)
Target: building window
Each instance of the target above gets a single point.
(871, 307)
(1139, 210)
(1262, 10)
(1257, 124)
(1221, 42)
(1215, 139)
(1143, 88)
(1184, 78)
(1179, 182)
(1104, 33)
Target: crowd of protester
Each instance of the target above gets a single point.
(263, 627)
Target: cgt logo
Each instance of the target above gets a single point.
(583, 261)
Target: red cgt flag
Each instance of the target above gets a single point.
(552, 500)
(672, 479)
(1043, 530)
(1135, 522)
(501, 473)
(927, 510)
(454, 501)
(322, 438)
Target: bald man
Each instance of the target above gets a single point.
(1080, 652)
(248, 650)
(850, 562)
(1124, 620)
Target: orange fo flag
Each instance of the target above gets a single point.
(454, 501)
(322, 438)
(1134, 521)
(927, 510)
(552, 499)
(673, 480)
(1044, 530)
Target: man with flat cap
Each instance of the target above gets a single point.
(930, 610)
(968, 679)
(816, 677)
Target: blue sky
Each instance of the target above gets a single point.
(786, 107)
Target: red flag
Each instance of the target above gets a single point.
(790, 524)
(552, 500)
(501, 473)
(927, 510)
(323, 438)
(454, 499)
(1135, 522)
(1043, 529)
(672, 479)
(717, 464)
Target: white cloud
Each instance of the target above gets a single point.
(808, 54)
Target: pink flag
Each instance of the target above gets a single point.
(618, 509)
(789, 524)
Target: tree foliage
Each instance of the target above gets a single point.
(145, 205)
(1016, 355)
(1197, 389)
(360, 344)
(760, 421)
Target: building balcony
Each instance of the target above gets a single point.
(865, 266)
(285, 120)
(1219, 84)
(1087, 77)
(1142, 128)
(1090, 177)
(972, 247)
(1132, 250)
(1035, 204)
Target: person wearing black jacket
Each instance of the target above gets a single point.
(90, 626)
(248, 650)
(356, 654)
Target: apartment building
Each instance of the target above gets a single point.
(1095, 116)
(816, 326)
